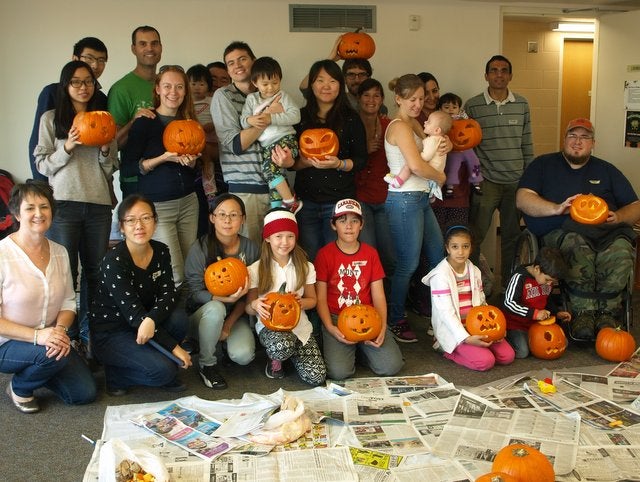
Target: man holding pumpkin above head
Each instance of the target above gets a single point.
(599, 256)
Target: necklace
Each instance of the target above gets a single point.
(38, 253)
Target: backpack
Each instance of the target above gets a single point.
(7, 222)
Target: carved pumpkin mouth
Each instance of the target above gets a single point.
(489, 327)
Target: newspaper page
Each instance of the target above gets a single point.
(615, 386)
(478, 429)
(361, 410)
(617, 464)
(387, 386)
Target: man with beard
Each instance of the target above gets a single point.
(600, 257)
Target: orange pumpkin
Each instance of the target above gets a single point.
(614, 344)
(356, 45)
(547, 339)
(319, 143)
(525, 463)
(284, 310)
(496, 477)
(589, 209)
(359, 322)
(225, 276)
(96, 128)
(465, 134)
(486, 320)
(184, 137)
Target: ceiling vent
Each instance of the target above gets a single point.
(331, 18)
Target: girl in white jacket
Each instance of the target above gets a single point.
(456, 286)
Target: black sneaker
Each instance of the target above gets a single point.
(606, 319)
(274, 369)
(402, 332)
(212, 378)
(583, 327)
(175, 386)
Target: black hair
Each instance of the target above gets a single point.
(143, 28)
(427, 76)
(31, 187)
(551, 262)
(199, 73)
(501, 58)
(237, 45)
(362, 63)
(265, 67)
(131, 200)
(455, 230)
(369, 84)
(449, 98)
(64, 111)
(217, 64)
(214, 248)
(89, 43)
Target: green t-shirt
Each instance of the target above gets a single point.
(127, 95)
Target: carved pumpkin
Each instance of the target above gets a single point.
(356, 45)
(525, 463)
(284, 310)
(547, 339)
(184, 137)
(486, 320)
(96, 128)
(225, 276)
(359, 322)
(465, 134)
(589, 209)
(496, 477)
(319, 143)
(614, 344)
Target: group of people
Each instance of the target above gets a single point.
(342, 235)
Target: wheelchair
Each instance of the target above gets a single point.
(527, 247)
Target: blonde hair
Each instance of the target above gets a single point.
(442, 120)
(406, 85)
(265, 276)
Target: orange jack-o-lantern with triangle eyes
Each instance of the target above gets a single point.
(486, 320)
(465, 134)
(547, 339)
(284, 310)
(359, 322)
(319, 143)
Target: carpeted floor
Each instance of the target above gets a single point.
(48, 445)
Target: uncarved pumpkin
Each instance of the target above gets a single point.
(589, 209)
(356, 45)
(184, 137)
(547, 339)
(319, 143)
(284, 310)
(96, 128)
(226, 276)
(465, 134)
(496, 477)
(525, 463)
(614, 344)
(359, 322)
(486, 320)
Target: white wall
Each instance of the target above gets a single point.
(617, 47)
(36, 38)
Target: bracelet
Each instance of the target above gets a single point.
(35, 336)
(65, 328)
(344, 165)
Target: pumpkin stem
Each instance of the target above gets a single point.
(283, 288)
(520, 452)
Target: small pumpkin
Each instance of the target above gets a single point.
(615, 344)
(184, 137)
(496, 477)
(319, 143)
(486, 320)
(547, 339)
(95, 128)
(525, 463)
(359, 322)
(356, 45)
(589, 209)
(284, 310)
(465, 134)
(225, 276)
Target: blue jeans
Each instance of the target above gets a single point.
(69, 378)
(83, 228)
(414, 229)
(375, 232)
(314, 225)
(127, 364)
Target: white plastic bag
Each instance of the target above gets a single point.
(284, 426)
(119, 463)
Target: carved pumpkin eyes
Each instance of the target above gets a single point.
(184, 137)
(465, 134)
(589, 209)
(225, 277)
(486, 320)
(319, 143)
(359, 322)
(96, 128)
(547, 339)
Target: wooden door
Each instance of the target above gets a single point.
(576, 81)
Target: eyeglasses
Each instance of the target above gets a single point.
(224, 216)
(496, 71)
(77, 83)
(357, 75)
(90, 59)
(166, 68)
(144, 219)
(576, 137)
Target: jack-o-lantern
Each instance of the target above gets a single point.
(589, 209)
(284, 310)
(614, 344)
(525, 463)
(486, 320)
(465, 134)
(356, 45)
(184, 137)
(547, 339)
(95, 128)
(319, 143)
(225, 276)
(496, 477)
(359, 322)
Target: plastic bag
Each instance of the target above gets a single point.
(119, 463)
(284, 426)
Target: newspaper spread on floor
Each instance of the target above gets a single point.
(393, 429)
